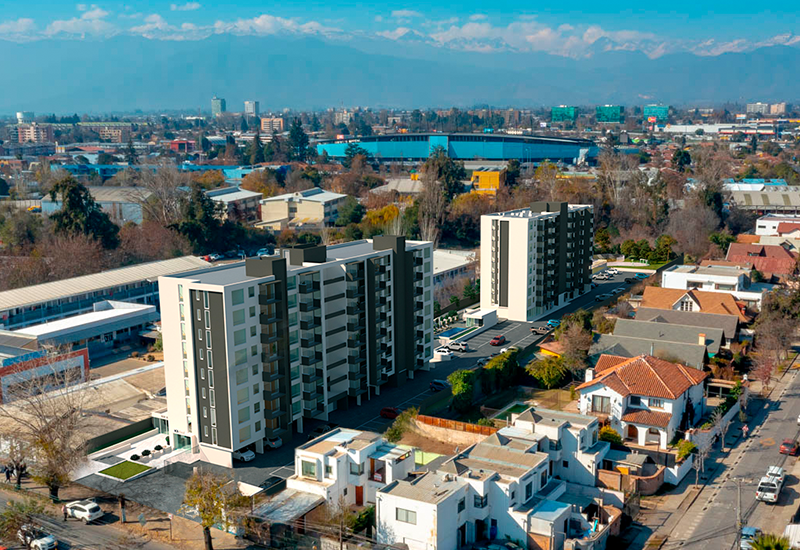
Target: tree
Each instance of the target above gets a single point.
(160, 193)
(16, 515)
(462, 384)
(432, 207)
(256, 150)
(262, 181)
(350, 211)
(691, 226)
(130, 153)
(200, 221)
(549, 372)
(451, 174)
(681, 159)
(298, 141)
(607, 433)
(768, 541)
(216, 500)
(602, 240)
(701, 453)
(722, 239)
(80, 214)
(352, 151)
(576, 340)
(512, 172)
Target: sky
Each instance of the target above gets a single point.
(572, 29)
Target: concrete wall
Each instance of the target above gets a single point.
(447, 435)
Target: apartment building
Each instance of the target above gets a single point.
(251, 108)
(729, 279)
(34, 133)
(254, 348)
(313, 207)
(270, 125)
(114, 132)
(536, 259)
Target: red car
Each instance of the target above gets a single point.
(498, 340)
(789, 447)
(390, 412)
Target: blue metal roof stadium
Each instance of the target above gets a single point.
(394, 147)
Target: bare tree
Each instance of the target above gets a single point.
(47, 414)
(699, 464)
(216, 499)
(159, 194)
(576, 341)
(432, 208)
(716, 423)
(339, 518)
(765, 367)
(724, 424)
(691, 227)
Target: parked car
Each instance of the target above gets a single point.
(769, 487)
(601, 297)
(442, 350)
(84, 510)
(747, 536)
(540, 330)
(612, 271)
(789, 447)
(273, 442)
(509, 348)
(554, 323)
(273, 485)
(264, 252)
(439, 385)
(245, 455)
(214, 257)
(630, 280)
(481, 362)
(458, 346)
(35, 538)
(390, 412)
(594, 285)
(641, 276)
(497, 340)
(798, 420)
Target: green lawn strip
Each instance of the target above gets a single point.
(125, 470)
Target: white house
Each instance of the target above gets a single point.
(514, 485)
(731, 280)
(645, 399)
(773, 225)
(350, 464)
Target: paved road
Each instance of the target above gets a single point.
(73, 534)
(710, 524)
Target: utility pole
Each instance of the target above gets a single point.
(738, 481)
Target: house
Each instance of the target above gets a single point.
(349, 464)
(730, 279)
(449, 265)
(645, 399)
(768, 259)
(312, 208)
(677, 299)
(402, 186)
(488, 180)
(238, 204)
(514, 485)
(729, 324)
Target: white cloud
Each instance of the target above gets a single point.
(378, 18)
(478, 17)
(81, 7)
(19, 27)
(91, 22)
(188, 6)
(396, 34)
(406, 14)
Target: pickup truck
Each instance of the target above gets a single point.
(769, 487)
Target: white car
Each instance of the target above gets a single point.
(457, 346)
(245, 455)
(442, 351)
(263, 252)
(612, 271)
(274, 442)
(84, 510)
(35, 538)
(214, 257)
(798, 420)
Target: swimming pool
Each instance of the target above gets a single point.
(451, 332)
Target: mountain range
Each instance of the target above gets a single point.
(124, 73)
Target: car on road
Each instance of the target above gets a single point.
(747, 536)
(245, 455)
(769, 487)
(481, 362)
(273, 442)
(612, 271)
(36, 539)
(540, 330)
(601, 297)
(214, 257)
(390, 412)
(458, 346)
(601, 277)
(554, 323)
(641, 276)
(320, 430)
(84, 510)
(594, 285)
(439, 385)
(442, 350)
(630, 280)
(509, 348)
(273, 485)
(498, 340)
(264, 252)
(789, 447)
(618, 290)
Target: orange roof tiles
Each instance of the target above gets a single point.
(709, 302)
(646, 417)
(767, 258)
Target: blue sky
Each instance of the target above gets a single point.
(562, 28)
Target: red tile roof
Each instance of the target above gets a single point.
(788, 227)
(646, 417)
(767, 258)
(648, 376)
(608, 361)
(709, 302)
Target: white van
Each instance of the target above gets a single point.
(769, 487)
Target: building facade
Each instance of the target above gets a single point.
(253, 349)
(610, 114)
(270, 125)
(535, 259)
(309, 208)
(563, 113)
(251, 108)
(34, 133)
(758, 108)
(218, 106)
(658, 113)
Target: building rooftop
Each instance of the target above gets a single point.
(232, 194)
(692, 354)
(647, 375)
(86, 284)
(315, 195)
(728, 323)
(530, 214)
(714, 270)
(445, 260)
(430, 487)
(401, 185)
(663, 332)
(708, 302)
(287, 506)
(105, 312)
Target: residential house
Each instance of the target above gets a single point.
(310, 208)
(238, 204)
(677, 299)
(730, 279)
(768, 259)
(728, 323)
(645, 399)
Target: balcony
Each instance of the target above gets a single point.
(269, 375)
(354, 309)
(378, 476)
(356, 373)
(274, 393)
(267, 299)
(418, 291)
(311, 374)
(418, 276)
(418, 305)
(311, 358)
(273, 413)
(269, 318)
(270, 356)
(356, 325)
(354, 291)
(382, 285)
(269, 337)
(357, 358)
(418, 260)
(308, 341)
(357, 387)
(354, 343)
(307, 287)
(309, 323)
(309, 305)
(386, 348)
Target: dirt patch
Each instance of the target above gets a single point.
(426, 444)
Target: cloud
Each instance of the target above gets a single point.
(378, 18)
(406, 14)
(188, 6)
(478, 17)
(396, 34)
(20, 26)
(269, 24)
(91, 22)
(81, 7)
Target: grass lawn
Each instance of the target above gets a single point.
(125, 470)
(651, 265)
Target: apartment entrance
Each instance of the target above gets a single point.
(461, 538)
(480, 530)
(359, 495)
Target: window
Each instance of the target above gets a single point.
(356, 469)
(240, 357)
(237, 297)
(203, 392)
(244, 433)
(208, 339)
(211, 400)
(258, 426)
(205, 431)
(406, 516)
(328, 471)
(213, 433)
(656, 403)
(253, 351)
(513, 495)
(565, 464)
(205, 299)
(242, 396)
(180, 294)
(544, 479)
(635, 400)
(244, 415)
(183, 346)
(255, 389)
(241, 376)
(601, 404)
(205, 412)
(251, 291)
(211, 379)
(238, 317)
(239, 337)
(481, 501)
(202, 373)
(253, 330)
(257, 407)
(686, 305)
(208, 319)
(462, 504)
(529, 490)
(183, 313)
(213, 417)
(210, 359)
(252, 311)
(308, 469)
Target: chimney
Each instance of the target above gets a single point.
(701, 339)
(589, 376)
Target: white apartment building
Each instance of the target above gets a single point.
(252, 349)
(769, 225)
(520, 484)
(727, 279)
(349, 463)
(536, 259)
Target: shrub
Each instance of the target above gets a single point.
(685, 448)
(158, 448)
(134, 354)
(548, 372)
(463, 388)
(146, 453)
(400, 425)
(607, 433)
(486, 422)
(135, 457)
(150, 358)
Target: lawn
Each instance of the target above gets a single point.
(125, 470)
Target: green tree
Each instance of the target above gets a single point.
(130, 153)
(80, 214)
(607, 433)
(106, 158)
(462, 384)
(681, 159)
(200, 221)
(768, 541)
(449, 173)
(512, 172)
(215, 498)
(298, 142)
(754, 144)
(16, 514)
(471, 292)
(663, 250)
(548, 372)
(602, 240)
(351, 211)
(352, 151)
(722, 239)
(643, 249)
(256, 152)
(629, 249)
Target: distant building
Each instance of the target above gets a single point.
(240, 204)
(758, 108)
(270, 125)
(610, 114)
(342, 117)
(563, 113)
(656, 113)
(115, 132)
(729, 279)
(693, 300)
(403, 186)
(251, 108)
(449, 265)
(182, 145)
(218, 106)
(774, 225)
(310, 208)
(122, 204)
(778, 108)
(768, 259)
(25, 117)
(34, 133)
(487, 180)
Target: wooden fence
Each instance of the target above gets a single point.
(455, 425)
